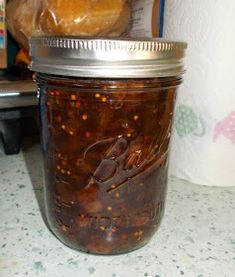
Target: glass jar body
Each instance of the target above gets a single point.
(105, 145)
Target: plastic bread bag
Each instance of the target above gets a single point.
(85, 18)
(98, 18)
(22, 18)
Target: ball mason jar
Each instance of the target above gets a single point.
(106, 113)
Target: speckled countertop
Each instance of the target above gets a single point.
(196, 238)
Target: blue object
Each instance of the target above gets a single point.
(161, 17)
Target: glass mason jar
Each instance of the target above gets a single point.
(106, 111)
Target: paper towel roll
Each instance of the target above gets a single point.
(203, 149)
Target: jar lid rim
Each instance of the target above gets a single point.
(104, 57)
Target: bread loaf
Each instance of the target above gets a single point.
(85, 18)
(26, 18)
(121, 24)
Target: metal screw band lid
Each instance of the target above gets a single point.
(107, 58)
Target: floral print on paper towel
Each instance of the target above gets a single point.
(188, 123)
(226, 128)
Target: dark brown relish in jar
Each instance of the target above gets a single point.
(105, 147)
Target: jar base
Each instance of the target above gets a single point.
(99, 253)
